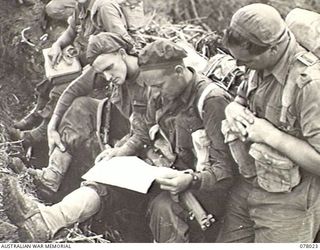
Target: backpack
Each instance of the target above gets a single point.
(224, 71)
(305, 25)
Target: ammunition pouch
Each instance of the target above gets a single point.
(275, 172)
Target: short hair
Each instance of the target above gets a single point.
(234, 38)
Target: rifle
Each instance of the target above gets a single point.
(195, 209)
(103, 121)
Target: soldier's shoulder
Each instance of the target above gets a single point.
(308, 67)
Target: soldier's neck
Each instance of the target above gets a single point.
(132, 67)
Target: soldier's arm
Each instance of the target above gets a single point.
(222, 167)
(68, 36)
(81, 86)
(305, 153)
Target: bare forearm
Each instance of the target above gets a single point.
(66, 38)
(295, 149)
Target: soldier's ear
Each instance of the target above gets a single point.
(179, 69)
(274, 49)
(122, 52)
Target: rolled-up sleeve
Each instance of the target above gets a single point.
(81, 86)
(308, 105)
(222, 165)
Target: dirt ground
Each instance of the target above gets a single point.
(21, 63)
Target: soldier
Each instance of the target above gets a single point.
(70, 137)
(187, 113)
(180, 90)
(122, 69)
(60, 9)
(275, 116)
(90, 17)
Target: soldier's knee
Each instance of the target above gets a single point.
(161, 205)
(57, 10)
(80, 105)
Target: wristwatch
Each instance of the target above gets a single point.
(196, 180)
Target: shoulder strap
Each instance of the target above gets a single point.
(288, 94)
(211, 90)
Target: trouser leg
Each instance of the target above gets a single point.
(52, 176)
(78, 206)
(237, 225)
(165, 223)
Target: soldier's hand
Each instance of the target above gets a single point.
(54, 140)
(260, 130)
(55, 54)
(176, 184)
(238, 118)
(107, 154)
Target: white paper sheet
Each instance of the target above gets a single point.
(128, 172)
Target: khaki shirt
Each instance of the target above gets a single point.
(100, 16)
(180, 118)
(264, 95)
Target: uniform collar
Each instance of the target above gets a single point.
(282, 67)
(188, 95)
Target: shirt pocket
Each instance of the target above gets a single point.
(275, 172)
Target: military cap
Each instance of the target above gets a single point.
(260, 23)
(161, 53)
(105, 43)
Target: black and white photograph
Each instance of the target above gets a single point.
(159, 121)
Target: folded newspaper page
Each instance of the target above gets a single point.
(128, 172)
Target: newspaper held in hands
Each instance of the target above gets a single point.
(128, 172)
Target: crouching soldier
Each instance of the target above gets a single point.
(276, 119)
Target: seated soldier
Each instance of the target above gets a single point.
(79, 138)
(89, 17)
(176, 92)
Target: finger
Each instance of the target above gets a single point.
(166, 188)
(59, 58)
(60, 144)
(233, 127)
(241, 128)
(98, 158)
(53, 59)
(164, 181)
(243, 120)
(249, 116)
(51, 148)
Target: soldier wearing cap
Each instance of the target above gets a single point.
(75, 119)
(276, 117)
(187, 110)
(113, 58)
(173, 97)
(89, 17)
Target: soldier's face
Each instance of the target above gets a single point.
(245, 58)
(112, 66)
(163, 83)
